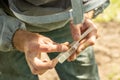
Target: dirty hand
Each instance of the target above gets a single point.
(33, 44)
(77, 31)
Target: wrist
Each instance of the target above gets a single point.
(21, 38)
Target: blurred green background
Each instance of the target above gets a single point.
(110, 13)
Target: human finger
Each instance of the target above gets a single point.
(75, 30)
(38, 66)
(72, 57)
(91, 41)
(54, 47)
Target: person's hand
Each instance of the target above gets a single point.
(77, 31)
(33, 44)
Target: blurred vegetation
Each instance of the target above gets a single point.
(112, 12)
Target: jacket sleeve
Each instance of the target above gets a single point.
(8, 26)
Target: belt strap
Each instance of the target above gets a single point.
(90, 5)
(78, 12)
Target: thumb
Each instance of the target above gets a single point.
(63, 47)
(56, 47)
(65, 43)
(75, 30)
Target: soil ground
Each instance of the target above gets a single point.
(107, 50)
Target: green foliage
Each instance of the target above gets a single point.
(112, 12)
(111, 76)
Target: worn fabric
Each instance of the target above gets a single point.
(40, 2)
(13, 66)
(29, 9)
(31, 13)
(8, 26)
